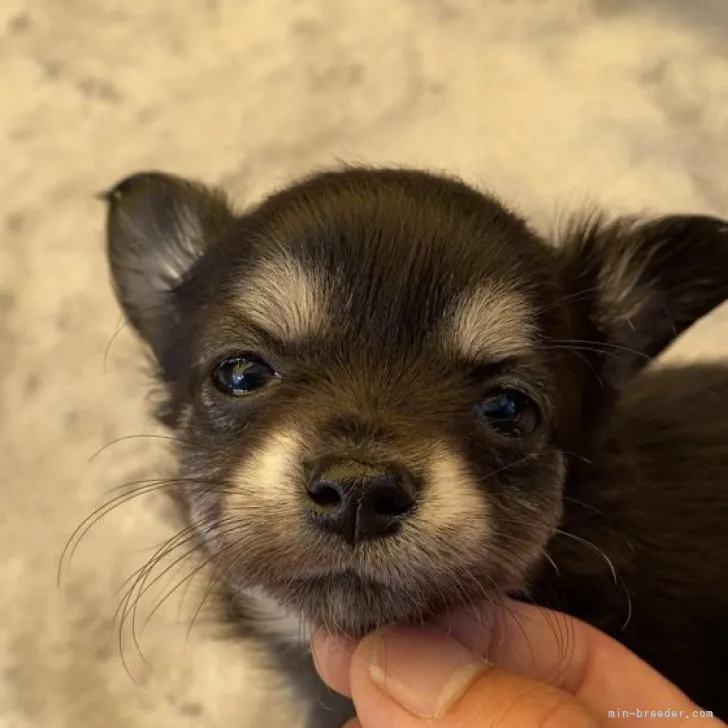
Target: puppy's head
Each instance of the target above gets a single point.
(379, 376)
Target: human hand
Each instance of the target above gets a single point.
(518, 667)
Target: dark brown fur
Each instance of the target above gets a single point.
(645, 460)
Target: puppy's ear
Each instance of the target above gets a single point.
(641, 283)
(158, 227)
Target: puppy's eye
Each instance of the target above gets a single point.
(239, 376)
(511, 413)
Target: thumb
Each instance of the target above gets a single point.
(410, 678)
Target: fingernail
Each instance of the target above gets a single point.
(424, 670)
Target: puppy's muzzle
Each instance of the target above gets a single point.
(358, 501)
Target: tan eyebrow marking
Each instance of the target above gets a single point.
(492, 322)
(284, 299)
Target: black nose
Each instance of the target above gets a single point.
(359, 502)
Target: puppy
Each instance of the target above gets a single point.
(393, 398)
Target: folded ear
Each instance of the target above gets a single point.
(158, 227)
(641, 283)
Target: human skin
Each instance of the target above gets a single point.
(515, 667)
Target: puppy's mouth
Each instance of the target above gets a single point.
(353, 605)
(371, 543)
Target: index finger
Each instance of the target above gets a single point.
(567, 653)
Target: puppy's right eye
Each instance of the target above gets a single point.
(238, 376)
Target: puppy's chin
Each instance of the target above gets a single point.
(351, 605)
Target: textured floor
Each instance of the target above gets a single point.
(550, 103)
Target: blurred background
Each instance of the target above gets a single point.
(551, 103)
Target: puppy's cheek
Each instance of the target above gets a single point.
(550, 507)
(454, 510)
(536, 499)
(262, 507)
(527, 520)
(270, 477)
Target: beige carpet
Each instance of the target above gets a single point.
(552, 103)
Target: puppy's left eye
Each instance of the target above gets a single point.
(510, 413)
(239, 376)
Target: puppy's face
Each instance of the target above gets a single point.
(379, 376)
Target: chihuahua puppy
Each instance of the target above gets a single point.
(393, 398)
